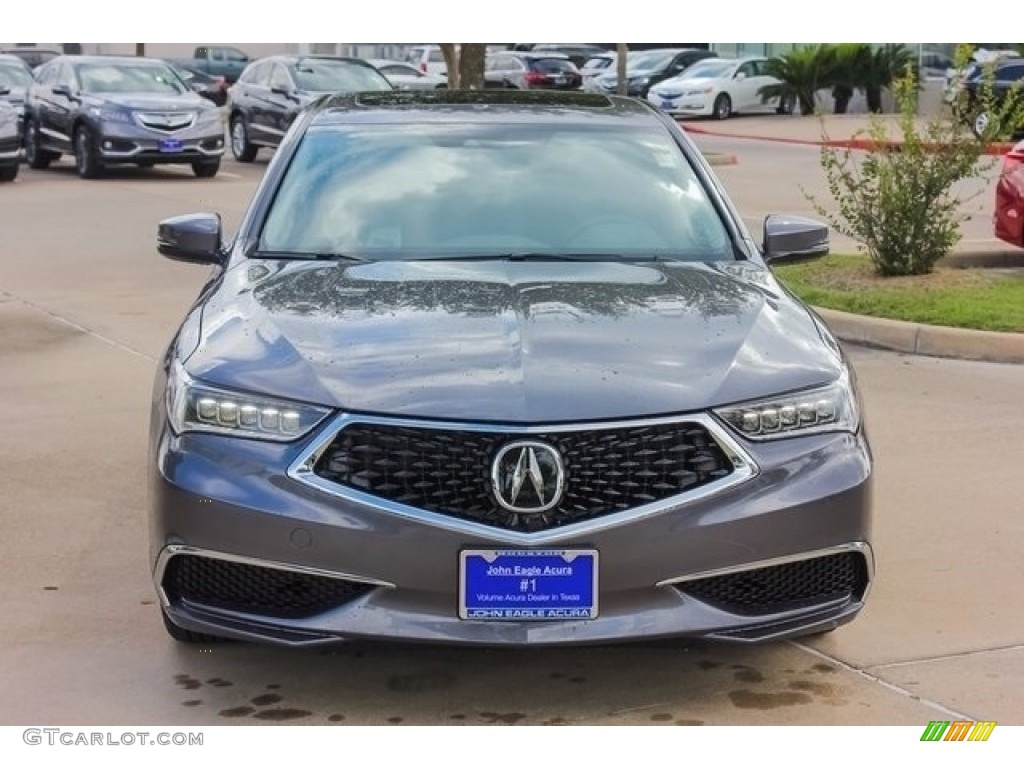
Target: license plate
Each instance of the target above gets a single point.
(667, 105)
(171, 145)
(527, 585)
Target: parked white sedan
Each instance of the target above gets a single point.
(405, 77)
(718, 88)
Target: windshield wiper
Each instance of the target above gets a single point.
(308, 256)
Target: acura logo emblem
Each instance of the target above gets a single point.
(527, 477)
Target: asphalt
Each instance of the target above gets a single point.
(899, 336)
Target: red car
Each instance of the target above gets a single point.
(1009, 215)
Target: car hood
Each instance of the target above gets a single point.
(149, 101)
(684, 83)
(509, 342)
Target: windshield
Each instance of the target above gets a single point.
(14, 75)
(481, 189)
(134, 78)
(554, 65)
(708, 69)
(337, 77)
(647, 60)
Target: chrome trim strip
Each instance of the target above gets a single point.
(186, 120)
(196, 147)
(301, 470)
(173, 550)
(10, 155)
(861, 547)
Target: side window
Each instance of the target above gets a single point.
(235, 55)
(279, 78)
(217, 54)
(747, 69)
(1012, 73)
(65, 76)
(414, 56)
(47, 75)
(257, 75)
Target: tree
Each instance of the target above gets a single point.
(801, 73)
(465, 63)
(621, 52)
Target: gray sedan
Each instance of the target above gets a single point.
(442, 386)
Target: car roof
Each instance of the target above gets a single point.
(294, 58)
(127, 61)
(12, 57)
(540, 107)
(534, 54)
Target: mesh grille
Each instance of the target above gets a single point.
(783, 587)
(448, 471)
(255, 589)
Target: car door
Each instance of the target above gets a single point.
(254, 98)
(743, 88)
(63, 101)
(759, 80)
(284, 103)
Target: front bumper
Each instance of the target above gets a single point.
(696, 106)
(131, 143)
(226, 500)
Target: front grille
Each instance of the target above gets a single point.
(255, 589)
(167, 122)
(786, 587)
(449, 471)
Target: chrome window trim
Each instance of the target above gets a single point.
(860, 547)
(301, 470)
(173, 550)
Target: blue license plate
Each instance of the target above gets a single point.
(171, 145)
(667, 105)
(528, 585)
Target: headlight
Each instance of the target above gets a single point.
(825, 409)
(110, 115)
(208, 116)
(195, 407)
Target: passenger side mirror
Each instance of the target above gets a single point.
(62, 90)
(282, 90)
(740, 76)
(794, 238)
(4, 90)
(195, 238)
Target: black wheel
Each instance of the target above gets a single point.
(36, 158)
(87, 161)
(243, 151)
(786, 106)
(187, 635)
(723, 106)
(206, 169)
(8, 172)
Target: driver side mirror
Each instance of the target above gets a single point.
(740, 76)
(4, 90)
(794, 238)
(63, 90)
(194, 238)
(282, 90)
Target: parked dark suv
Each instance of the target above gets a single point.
(272, 91)
(525, 70)
(1007, 75)
(109, 110)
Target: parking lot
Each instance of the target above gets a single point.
(86, 308)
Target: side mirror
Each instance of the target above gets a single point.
(4, 90)
(794, 238)
(282, 91)
(195, 238)
(62, 90)
(740, 76)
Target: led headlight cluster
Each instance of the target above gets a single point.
(825, 409)
(194, 407)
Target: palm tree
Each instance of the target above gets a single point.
(847, 73)
(801, 73)
(880, 66)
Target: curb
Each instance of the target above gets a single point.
(997, 149)
(928, 340)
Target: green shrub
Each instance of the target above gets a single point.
(898, 201)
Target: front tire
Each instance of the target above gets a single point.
(206, 169)
(723, 106)
(37, 159)
(87, 161)
(9, 172)
(243, 151)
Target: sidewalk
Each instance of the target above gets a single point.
(832, 130)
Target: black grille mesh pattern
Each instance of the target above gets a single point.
(255, 589)
(448, 471)
(783, 587)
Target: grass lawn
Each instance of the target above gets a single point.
(985, 299)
